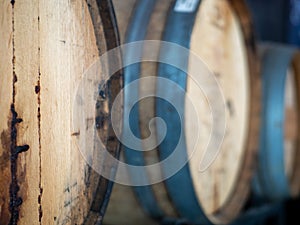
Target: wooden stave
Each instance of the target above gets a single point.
(97, 188)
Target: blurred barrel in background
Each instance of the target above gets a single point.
(276, 184)
(51, 130)
(140, 20)
(221, 188)
(278, 169)
(46, 47)
(219, 32)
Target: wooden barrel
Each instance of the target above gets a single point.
(219, 32)
(46, 47)
(278, 171)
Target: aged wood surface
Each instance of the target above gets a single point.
(45, 50)
(223, 40)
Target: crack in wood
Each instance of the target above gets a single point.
(38, 92)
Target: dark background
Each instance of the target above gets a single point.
(275, 21)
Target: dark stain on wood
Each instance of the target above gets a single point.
(101, 120)
(76, 134)
(5, 143)
(230, 108)
(70, 187)
(217, 74)
(87, 174)
(37, 89)
(217, 21)
(71, 201)
(216, 196)
(38, 92)
(15, 200)
(5, 176)
(40, 205)
(89, 122)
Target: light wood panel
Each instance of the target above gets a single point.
(6, 93)
(26, 44)
(67, 49)
(220, 41)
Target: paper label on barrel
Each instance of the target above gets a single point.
(186, 6)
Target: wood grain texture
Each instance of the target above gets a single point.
(6, 74)
(224, 28)
(216, 23)
(67, 50)
(26, 44)
(240, 192)
(47, 47)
